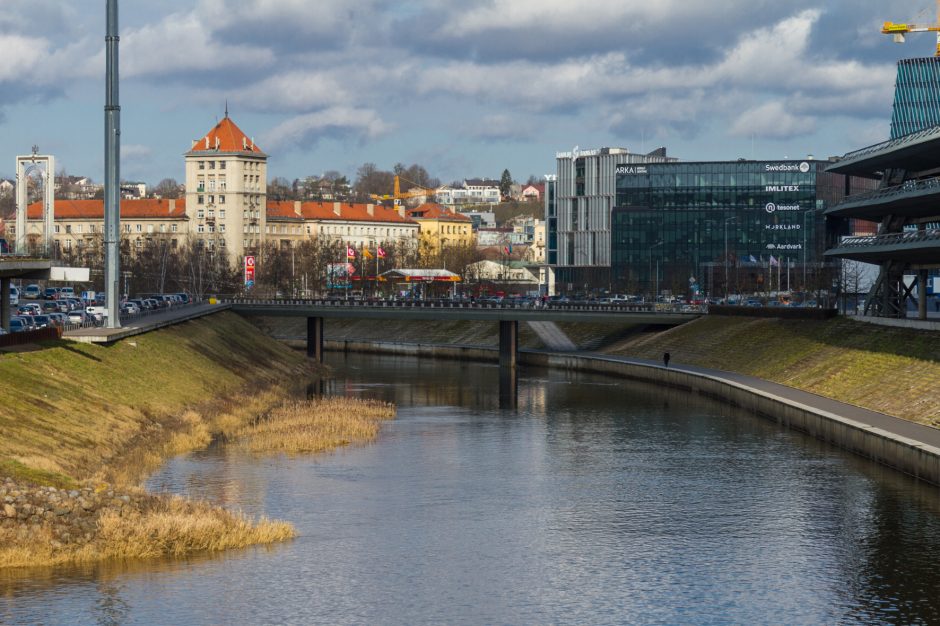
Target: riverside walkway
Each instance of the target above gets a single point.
(905, 445)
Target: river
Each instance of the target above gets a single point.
(595, 501)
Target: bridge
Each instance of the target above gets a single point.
(508, 315)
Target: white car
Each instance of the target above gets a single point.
(14, 296)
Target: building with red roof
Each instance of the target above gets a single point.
(441, 227)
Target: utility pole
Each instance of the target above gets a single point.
(727, 220)
(112, 172)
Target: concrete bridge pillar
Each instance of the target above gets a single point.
(508, 343)
(922, 294)
(5, 303)
(315, 338)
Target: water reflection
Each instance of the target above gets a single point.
(595, 500)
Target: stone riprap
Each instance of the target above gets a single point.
(71, 514)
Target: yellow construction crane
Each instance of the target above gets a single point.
(398, 195)
(900, 30)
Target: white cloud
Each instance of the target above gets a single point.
(183, 43)
(303, 131)
(771, 120)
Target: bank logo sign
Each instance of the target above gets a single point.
(787, 167)
(632, 169)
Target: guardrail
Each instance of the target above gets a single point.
(892, 239)
(929, 184)
(462, 304)
(891, 143)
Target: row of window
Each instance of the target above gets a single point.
(202, 165)
(201, 228)
(202, 199)
(200, 214)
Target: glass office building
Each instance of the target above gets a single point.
(916, 96)
(707, 228)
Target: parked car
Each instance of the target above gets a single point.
(42, 321)
(78, 316)
(59, 319)
(17, 325)
(66, 292)
(49, 306)
(32, 292)
(50, 293)
(130, 308)
(14, 296)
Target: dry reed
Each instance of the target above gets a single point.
(172, 526)
(313, 425)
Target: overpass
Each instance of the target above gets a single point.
(507, 315)
(20, 268)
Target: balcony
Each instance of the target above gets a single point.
(920, 247)
(913, 199)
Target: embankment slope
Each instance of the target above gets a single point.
(71, 411)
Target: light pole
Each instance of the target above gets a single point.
(806, 214)
(658, 243)
(727, 221)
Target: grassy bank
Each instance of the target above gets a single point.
(74, 412)
(891, 370)
(79, 419)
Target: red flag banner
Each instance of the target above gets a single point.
(350, 253)
(381, 252)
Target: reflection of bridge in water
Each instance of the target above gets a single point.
(507, 316)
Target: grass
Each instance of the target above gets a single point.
(171, 527)
(74, 412)
(313, 426)
(890, 370)
(83, 414)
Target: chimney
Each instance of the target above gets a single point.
(370, 209)
(207, 142)
(297, 210)
(172, 205)
(337, 209)
(216, 143)
(244, 143)
(401, 211)
(195, 141)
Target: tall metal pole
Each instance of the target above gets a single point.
(112, 172)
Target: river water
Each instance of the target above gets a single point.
(596, 501)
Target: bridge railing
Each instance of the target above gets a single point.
(465, 305)
(892, 239)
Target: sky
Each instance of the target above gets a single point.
(466, 89)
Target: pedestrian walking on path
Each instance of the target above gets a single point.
(665, 359)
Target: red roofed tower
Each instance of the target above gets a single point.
(226, 189)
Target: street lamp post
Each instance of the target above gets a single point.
(727, 221)
(658, 243)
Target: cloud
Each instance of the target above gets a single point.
(500, 128)
(771, 120)
(182, 45)
(304, 131)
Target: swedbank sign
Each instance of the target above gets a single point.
(787, 167)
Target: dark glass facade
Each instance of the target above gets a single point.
(916, 96)
(702, 228)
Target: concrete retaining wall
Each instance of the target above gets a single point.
(907, 455)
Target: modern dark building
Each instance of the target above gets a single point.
(906, 208)
(712, 228)
(916, 96)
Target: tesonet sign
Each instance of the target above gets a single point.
(772, 208)
(787, 167)
(632, 169)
